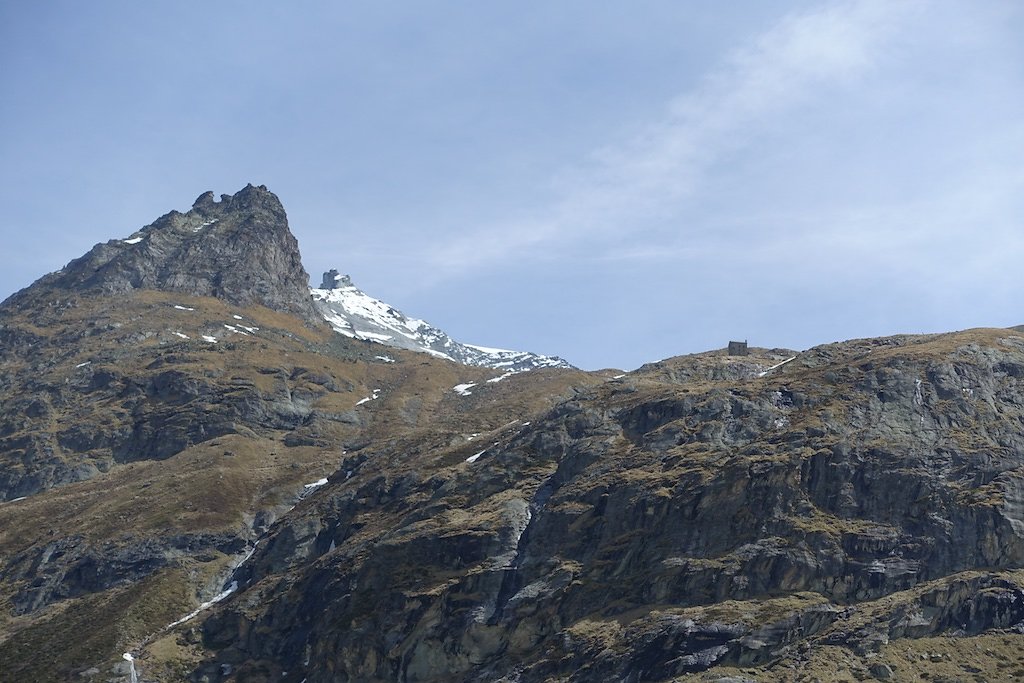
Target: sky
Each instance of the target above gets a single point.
(613, 183)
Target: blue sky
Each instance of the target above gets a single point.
(610, 182)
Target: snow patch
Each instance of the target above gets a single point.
(237, 317)
(82, 365)
(373, 336)
(134, 240)
(464, 389)
(236, 330)
(498, 379)
(488, 349)
(232, 587)
(183, 308)
(476, 456)
(386, 359)
(376, 395)
(309, 488)
(208, 338)
(777, 365)
(183, 336)
(204, 225)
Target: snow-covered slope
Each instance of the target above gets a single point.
(354, 313)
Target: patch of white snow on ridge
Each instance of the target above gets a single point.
(183, 308)
(386, 359)
(208, 338)
(373, 336)
(206, 605)
(464, 389)
(339, 323)
(82, 365)
(476, 456)
(237, 317)
(498, 379)
(777, 365)
(205, 225)
(250, 330)
(353, 313)
(376, 395)
(488, 349)
(235, 330)
(183, 336)
(356, 303)
(134, 240)
(315, 485)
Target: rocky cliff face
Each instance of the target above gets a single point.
(238, 249)
(864, 493)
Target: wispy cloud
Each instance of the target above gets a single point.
(636, 182)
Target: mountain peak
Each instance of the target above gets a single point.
(353, 313)
(238, 249)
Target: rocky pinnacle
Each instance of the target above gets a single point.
(238, 249)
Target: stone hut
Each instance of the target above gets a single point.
(333, 280)
(737, 348)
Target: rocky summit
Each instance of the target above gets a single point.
(238, 249)
(204, 482)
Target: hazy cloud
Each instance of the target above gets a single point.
(629, 185)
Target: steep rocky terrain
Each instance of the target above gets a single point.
(149, 436)
(356, 513)
(862, 495)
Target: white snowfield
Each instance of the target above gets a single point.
(355, 314)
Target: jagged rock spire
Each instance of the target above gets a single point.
(238, 249)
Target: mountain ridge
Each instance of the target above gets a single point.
(195, 489)
(240, 249)
(353, 313)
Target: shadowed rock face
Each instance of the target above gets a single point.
(238, 249)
